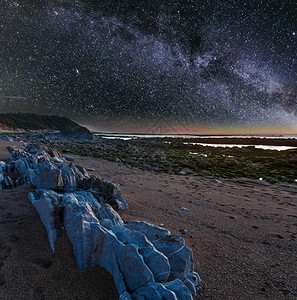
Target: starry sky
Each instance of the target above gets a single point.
(152, 66)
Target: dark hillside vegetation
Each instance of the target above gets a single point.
(37, 122)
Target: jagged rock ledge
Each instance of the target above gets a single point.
(146, 261)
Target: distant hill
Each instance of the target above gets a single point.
(37, 122)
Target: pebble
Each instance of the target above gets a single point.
(69, 158)
(90, 169)
(184, 209)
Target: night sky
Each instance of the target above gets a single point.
(178, 65)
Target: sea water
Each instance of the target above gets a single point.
(130, 136)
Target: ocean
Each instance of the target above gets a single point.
(131, 136)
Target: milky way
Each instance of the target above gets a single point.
(144, 64)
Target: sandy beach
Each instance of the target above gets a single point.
(243, 236)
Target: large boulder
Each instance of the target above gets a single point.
(48, 177)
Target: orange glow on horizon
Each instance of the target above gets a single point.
(198, 130)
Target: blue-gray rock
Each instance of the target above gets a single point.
(7, 183)
(47, 206)
(111, 191)
(90, 169)
(181, 263)
(49, 177)
(169, 243)
(155, 260)
(180, 289)
(2, 171)
(69, 158)
(58, 159)
(3, 167)
(70, 181)
(152, 232)
(154, 291)
(192, 281)
(95, 245)
(106, 212)
(4, 137)
(21, 166)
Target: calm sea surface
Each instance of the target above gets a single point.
(130, 136)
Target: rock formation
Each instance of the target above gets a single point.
(81, 134)
(4, 137)
(146, 261)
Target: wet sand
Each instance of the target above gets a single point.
(243, 236)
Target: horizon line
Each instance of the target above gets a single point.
(191, 133)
